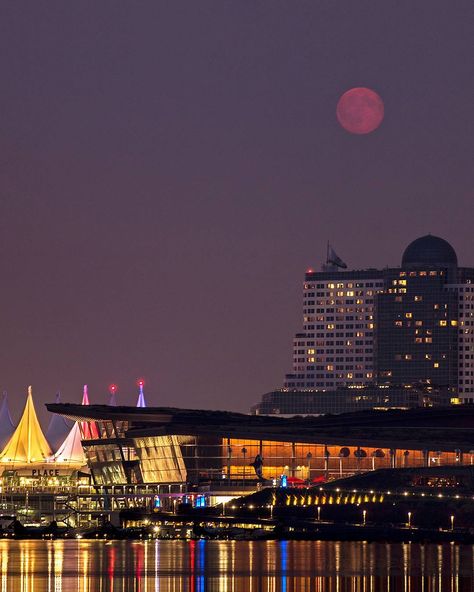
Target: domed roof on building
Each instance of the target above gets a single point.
(429, 251)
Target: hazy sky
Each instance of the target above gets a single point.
(169, 169)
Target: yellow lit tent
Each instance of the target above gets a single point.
(27, 443)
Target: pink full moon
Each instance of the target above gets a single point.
(360, 110)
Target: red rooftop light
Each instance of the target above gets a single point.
(113, 388)
(140, 382)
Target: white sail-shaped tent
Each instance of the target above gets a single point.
(71, 450)
(6, 424)
(27, 444)
(58, 429)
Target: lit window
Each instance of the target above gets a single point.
(454, 323)
(409, 315)
(443, 323)
(436, 365)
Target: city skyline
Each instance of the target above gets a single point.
(169, 171)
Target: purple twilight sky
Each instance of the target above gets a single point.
(168, 170)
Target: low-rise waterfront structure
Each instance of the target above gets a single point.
(179, 451)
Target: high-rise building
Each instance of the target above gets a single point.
(411, 326)
(336, 347)
(425, 321)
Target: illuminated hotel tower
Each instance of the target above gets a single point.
(407, 326)
(336, 347)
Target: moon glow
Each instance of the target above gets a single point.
(360, 110)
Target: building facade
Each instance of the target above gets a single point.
(336, 347)
(224, 452)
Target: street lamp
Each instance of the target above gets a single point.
(409, 520)
(452, 521)
(319, 513)
(364, 516)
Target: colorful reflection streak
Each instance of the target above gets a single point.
(233, 566)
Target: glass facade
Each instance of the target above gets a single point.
(232, 462)
(161, 458)
(417, 331)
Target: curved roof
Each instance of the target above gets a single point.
(429, 251)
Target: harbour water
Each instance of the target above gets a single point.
(233, 566)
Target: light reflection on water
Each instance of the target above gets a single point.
(230, 566)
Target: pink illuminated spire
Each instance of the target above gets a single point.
(85, 396)
(89, 428)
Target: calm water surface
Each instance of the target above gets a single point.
(230, 566)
